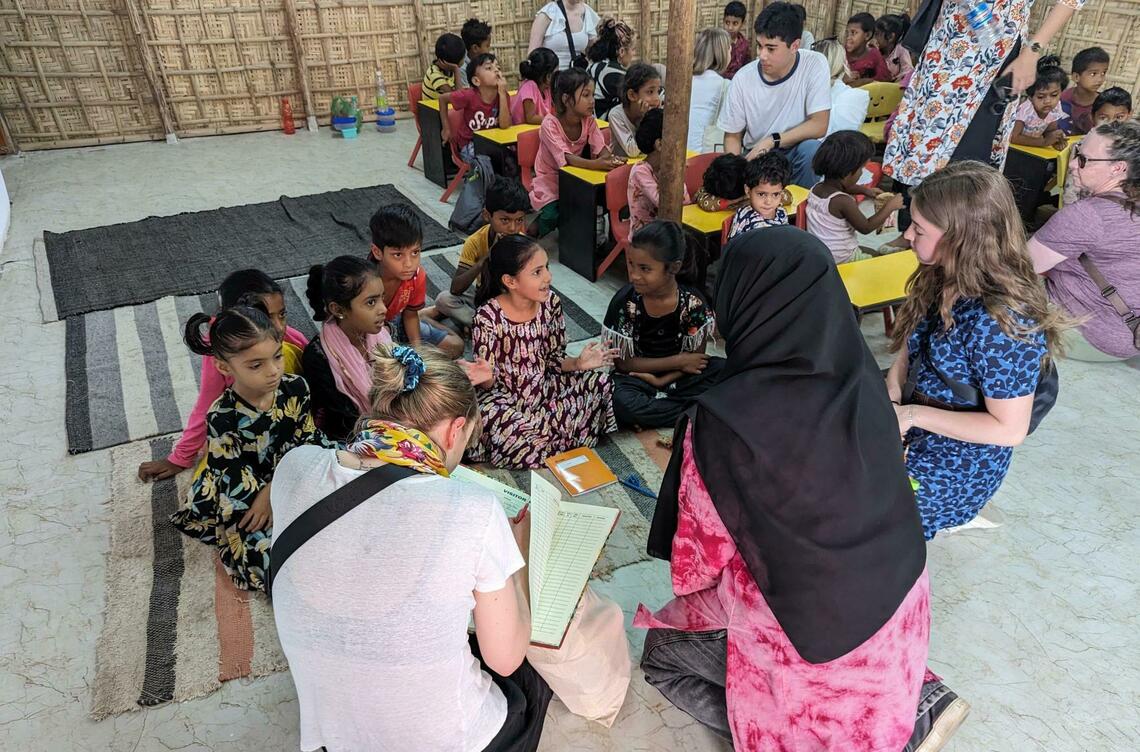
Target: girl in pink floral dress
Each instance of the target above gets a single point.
(802, 616)
(540, 401)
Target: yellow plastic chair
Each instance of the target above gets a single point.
(885, 97)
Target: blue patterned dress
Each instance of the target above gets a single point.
(957, 478)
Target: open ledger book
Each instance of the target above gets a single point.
(566, 539)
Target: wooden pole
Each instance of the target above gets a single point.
(645, 41)
(679, 63)
(149, 71)
(293, 25)
(7, 140)
(424, 45)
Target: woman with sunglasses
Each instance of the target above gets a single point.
(957, 106)
(1098, 235)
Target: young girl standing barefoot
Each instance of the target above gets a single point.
(539, 402)
(260, 417)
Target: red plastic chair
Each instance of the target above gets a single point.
(801, 215)
(528, 154)
(455, 120)
(415, 94)
(617, 189)
(695, 171)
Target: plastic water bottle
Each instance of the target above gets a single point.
(987, 27)
(385, 114)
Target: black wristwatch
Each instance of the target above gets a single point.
(775, 140)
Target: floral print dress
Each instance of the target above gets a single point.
(243, 447)
(862, 701)
(952, 77)
(534, 410)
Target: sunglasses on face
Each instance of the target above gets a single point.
(1082, 160)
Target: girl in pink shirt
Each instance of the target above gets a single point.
(643, 194)
(569, 136)
(532, 102)
(242, 285)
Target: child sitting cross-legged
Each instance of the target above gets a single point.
(764, 180)
(1037, 120)
(504, 210)
(485, 104)
(642, 194)
(262, 415)
(833, 214)
(660, 324)
(396, 238)
(248, 286)
(538, 401)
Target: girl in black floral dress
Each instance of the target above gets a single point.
(260, 417)
(660, 323)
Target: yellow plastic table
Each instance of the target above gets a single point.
(581, 193)
(1027, 166)
(875, 283)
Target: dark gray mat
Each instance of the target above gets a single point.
(137, 262)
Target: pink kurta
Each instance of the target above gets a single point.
(553, 146)
(861, 702)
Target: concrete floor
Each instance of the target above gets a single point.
(1035, 623)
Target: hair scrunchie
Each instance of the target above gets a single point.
(413, 364)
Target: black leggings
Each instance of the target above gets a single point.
(527, 695)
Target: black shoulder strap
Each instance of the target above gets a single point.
(1109, 292)
(569, 34)
(964, 392)
(330, 509)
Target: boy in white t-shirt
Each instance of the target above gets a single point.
(781, 102)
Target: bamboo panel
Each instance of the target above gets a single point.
(224, 64)
(1111, 24)
(69, 72)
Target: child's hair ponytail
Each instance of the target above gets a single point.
(229, 332)
(539, 66)
(1049, 71)
(508, 256)
(671, 244)
(419, 388)
(338, 281)
(243, 283)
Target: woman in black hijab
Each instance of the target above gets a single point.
(793, 537)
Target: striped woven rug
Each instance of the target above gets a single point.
(129, 376)
(175, 627)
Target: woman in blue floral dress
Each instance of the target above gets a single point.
(951, 111)
(977, 314)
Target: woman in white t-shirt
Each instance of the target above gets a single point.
(549, 29)
(373, 610)
(711, 55)
(848, 105)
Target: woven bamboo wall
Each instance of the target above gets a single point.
(71, 74)
(82, 72)
(1111, 24)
